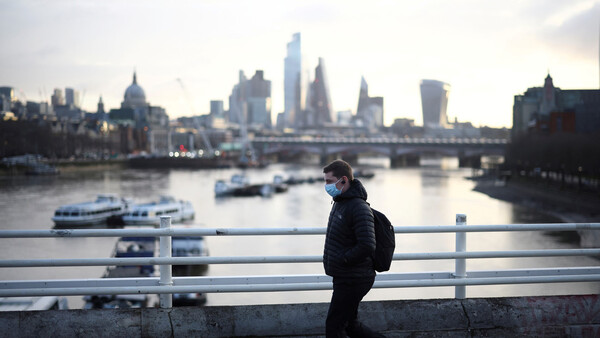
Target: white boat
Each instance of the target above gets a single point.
(128, 247)
(149, 213)
(236, 183)
(189, 246)
(33, 303)
(100, 211)
(240, 186)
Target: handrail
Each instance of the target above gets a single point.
(287, 231)
(165, 285)
(29, 263)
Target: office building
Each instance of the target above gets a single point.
(72, 97)
(551, 109)
(370, 109)
(216, 109)
(250, 101)
(237, 101)
(7, 96)
(434, 100)
(57, 98)
(259, 100)
(320, 98)
(292, 82)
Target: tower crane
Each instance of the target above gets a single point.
(211, 151)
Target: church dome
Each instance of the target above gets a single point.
(134, 95)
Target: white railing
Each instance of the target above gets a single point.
(165, 285)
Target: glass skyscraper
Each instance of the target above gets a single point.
(321, 100)
(292, 85)
(434, 99)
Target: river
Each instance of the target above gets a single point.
(430, 195)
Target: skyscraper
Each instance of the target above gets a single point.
(71, 97)
(259, 100)
(57, 98)
(216, 109)
(370, 109)
(250, 100)
(237, 100)
(434, 100)
(292, 82)
(320, 99)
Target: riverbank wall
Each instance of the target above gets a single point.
(550, 316)
(65, 166)
(90, 165)
(568, 206)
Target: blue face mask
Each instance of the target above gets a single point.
(332, 190)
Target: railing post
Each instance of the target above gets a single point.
(166, 272)
(460, 263)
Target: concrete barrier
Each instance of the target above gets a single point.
(551, 316)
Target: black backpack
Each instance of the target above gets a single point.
(385, 242)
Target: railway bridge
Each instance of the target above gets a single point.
(400, 151)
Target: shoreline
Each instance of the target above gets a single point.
(565, 205)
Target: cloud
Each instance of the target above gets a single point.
(577, 36)
(313, 13)
(565, 29)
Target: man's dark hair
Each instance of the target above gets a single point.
(339, 168)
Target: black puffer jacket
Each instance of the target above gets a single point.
(350, 239)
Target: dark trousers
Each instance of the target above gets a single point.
(343, 309)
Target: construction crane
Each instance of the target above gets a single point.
(211, 151)
(246, 145)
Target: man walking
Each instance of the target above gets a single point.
(349, 245)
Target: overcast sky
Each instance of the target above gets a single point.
(488, 51)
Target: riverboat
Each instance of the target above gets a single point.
(33, 303)
(279, 185)
(236, 182)
(133, 247)
(189, 246)
(149, 213)
(240, 186)
(127, 247)
(105, 207)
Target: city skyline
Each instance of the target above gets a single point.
(487, 52)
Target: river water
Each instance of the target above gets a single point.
(429, 195)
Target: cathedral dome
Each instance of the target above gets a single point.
(134, 95)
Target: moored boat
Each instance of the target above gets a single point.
(127, 247)
(236, 183)
(33, 303)
(100, 211)
(240, 186)
(189, 246)
(149, 213)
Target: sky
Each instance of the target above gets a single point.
(488, 51)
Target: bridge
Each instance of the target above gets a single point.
(400, 151)
(577, 315)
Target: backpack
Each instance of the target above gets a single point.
(385, 242)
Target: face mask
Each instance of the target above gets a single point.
(332, 190)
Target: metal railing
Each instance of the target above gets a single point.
(166, 285)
